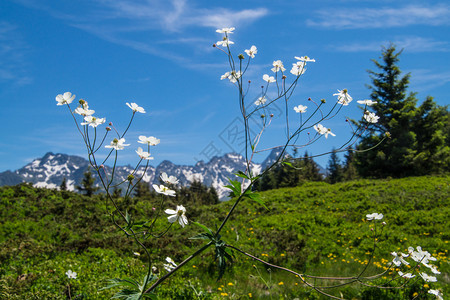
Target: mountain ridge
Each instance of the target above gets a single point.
(50, 170)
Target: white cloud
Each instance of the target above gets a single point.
(12, 55)
(177, 15)
(410, 44)
(385, 17)
(426, 80)
(149, 25)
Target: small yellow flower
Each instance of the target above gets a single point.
(224, 294)
(219, 288)
(280, 283)
(415, 294)
(250, 295)
(426, 286)
(282, 254)
(230, 284)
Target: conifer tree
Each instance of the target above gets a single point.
(432, 129)
(88, 184)
(63, 186)
(334, 168)
(419, 142)
(349, 171)
(117, 192)
(396, 110)
(142, 190)
(309, 170)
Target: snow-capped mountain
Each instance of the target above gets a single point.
(50, 170)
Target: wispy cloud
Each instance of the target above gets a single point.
(148, 26)
(12, 55)
(410, 44)
(177, 15)
(426, 80)
(385, 17)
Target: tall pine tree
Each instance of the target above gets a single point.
(432, 129)
(334, 168)
(396, 110)
(417, 143)
(88, 184)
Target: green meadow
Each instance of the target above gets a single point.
(315, 229)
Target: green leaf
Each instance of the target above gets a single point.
(127, 294)
(288, 164)
(242, 175)
(202, 236)
(223, 255)
(203, 227)
(140, 224)
(146, 281)
(128, 220)
(235, 187)
(257, 198)
(114, 282)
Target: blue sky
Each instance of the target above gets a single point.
(159, 55)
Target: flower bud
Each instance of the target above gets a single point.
(346, 120)
(108, 128)
(81, 101)
(309, 99)
(263, 116)
(214, 45)
(283, 77)
(110, 123)
(241, 56)
(323, 100)
(271, 115)
(383, 223)
(371, 229)
(130, 177)
(249, 81)
(388, 134)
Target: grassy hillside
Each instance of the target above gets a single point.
(316, 229)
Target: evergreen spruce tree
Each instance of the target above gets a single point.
(419, 142)
(309, 170)
(63, 186)
(432, 126)
(117, 192)
(349, 171)
(212, 197)
(301, 169)
(142, 190)
(396, 110)
(88, 184)
(334, 168)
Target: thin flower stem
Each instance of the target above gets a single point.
(68, 286)
(162, 278)
(284, 269)
(129, 124)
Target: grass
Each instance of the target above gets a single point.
(316, 228)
